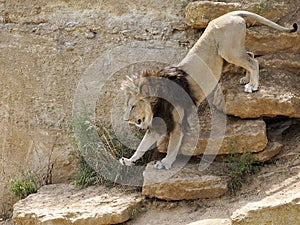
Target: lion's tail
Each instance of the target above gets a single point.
(265, 21)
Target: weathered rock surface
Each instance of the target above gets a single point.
(64, 204)
(278, 95)
(199, 13)
(183, 181)
(212, 222)
(272, 149)
(220, 134)
(282, 207)
(259, 40)
(45, 49)
(288, 61)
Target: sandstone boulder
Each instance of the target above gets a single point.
(220, 134)
(278, 95)
(281, 207)
(272, 149)
(200, 13)
(183, 181)
(64, 204)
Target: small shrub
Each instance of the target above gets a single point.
(85, 175)
(98, 152)
(241, 167)
(24, 186)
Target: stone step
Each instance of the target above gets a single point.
(184, 182)
(220, 134)
(64, 204)
(278, 95)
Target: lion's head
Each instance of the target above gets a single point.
(138, 109)
(153, 94)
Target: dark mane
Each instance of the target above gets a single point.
(162, 108)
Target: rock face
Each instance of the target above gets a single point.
(46, 46)
(183, 181)
(282, 207)
(278, 95)
(64, 204)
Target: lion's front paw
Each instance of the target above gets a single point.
(162, 165)
(126, 162)
(249, 88)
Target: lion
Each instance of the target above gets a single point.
(197, 74)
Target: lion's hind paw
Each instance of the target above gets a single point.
(249, 88)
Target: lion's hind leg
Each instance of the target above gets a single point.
(246, 79)
(246, 60)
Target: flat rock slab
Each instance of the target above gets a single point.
(200, 13)
(64, 204)
(183, 181)
(273, 148)
(221, 135)
(281, 207)
(275, 97)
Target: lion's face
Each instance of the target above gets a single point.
(138, 112)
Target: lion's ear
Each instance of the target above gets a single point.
(143, 88)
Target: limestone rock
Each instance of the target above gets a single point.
(288, 61)
(278, 95)
(220, 134)
(183, 181)
(212, 222)
(261, 41)
(200, 13)
(282, 207)
(64, 204)
(272, 149)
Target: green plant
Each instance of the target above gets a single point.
(261, 7)
(85, 175)
(134, 213)
(240, 169)
(263, 70)
(21, 187)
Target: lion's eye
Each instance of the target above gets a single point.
(132, 107)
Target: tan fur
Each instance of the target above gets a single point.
(223, 39)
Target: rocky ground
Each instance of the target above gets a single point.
(274, 179)
(277, 197)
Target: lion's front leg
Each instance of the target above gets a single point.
(175, 141)
(148, 140)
